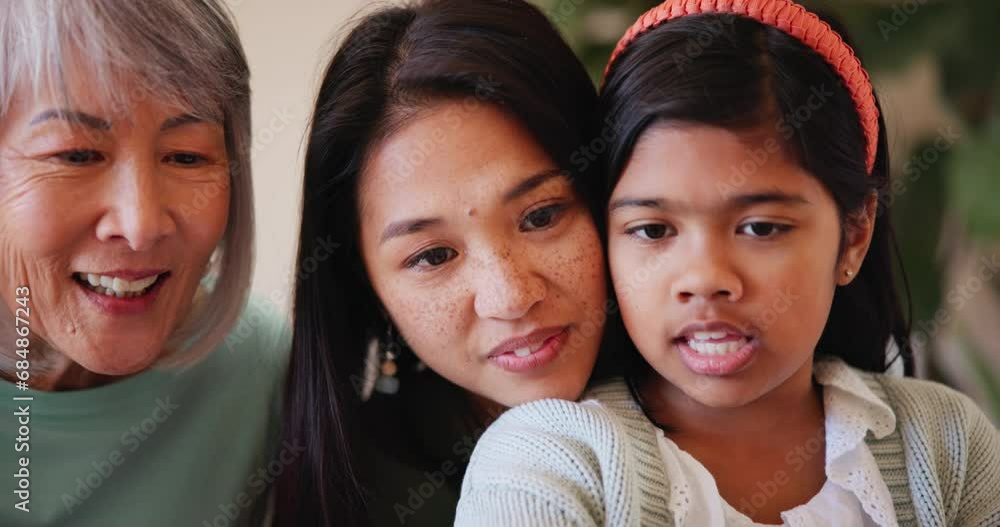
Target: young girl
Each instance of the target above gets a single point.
(438, 168)
(753, 263)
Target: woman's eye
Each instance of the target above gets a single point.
(542, 217)
(432, 257)
(185, 159)
(763, 229)
(80, 157)
(652, 231)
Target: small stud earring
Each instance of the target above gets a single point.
(849, 273)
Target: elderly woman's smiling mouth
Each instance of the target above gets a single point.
(122, 291)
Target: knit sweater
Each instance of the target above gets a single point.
(560, 463)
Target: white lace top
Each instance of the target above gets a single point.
(855, 495)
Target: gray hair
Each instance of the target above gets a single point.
(184, 52)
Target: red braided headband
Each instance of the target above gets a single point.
(793, 19)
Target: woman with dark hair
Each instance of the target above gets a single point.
(468, 275)
(753, 262)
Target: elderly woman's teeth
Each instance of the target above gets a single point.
(117, 287)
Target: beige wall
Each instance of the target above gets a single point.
(288, 43)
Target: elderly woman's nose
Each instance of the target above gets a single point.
(136, 209)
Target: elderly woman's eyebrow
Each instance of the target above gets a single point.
(182, 120)
(72, 116)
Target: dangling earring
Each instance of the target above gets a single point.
(380, 368)
(387, 382)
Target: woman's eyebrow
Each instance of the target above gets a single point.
(405, 227)
(531, 183)
(72, 116)
(411, 226)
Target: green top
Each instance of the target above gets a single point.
(195, 447)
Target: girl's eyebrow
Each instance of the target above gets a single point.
(739, 201)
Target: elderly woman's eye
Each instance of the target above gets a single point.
(185, 159)
(80, 157)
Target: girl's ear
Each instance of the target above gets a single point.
(857, 239)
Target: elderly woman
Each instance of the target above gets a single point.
(136, 387)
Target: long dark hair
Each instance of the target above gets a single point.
(735, 73)
(396, 61)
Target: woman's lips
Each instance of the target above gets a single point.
(131, 305)
(549, 350)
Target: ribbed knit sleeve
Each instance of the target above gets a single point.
(980, 503)
(550, 463)
(952, 454)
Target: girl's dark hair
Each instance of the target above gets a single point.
(735, 73)
(395, 62)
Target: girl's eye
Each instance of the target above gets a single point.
(542, 217)
(650, 231)
(185, 159)
(763, 229)
(80, 157)
(432, 257)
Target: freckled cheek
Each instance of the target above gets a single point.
(576, 265)
(430, 320)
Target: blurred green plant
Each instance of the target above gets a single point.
(947, 213)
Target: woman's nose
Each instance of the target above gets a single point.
(136, 212)
(507, 286)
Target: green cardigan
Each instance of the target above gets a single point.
(559, 463)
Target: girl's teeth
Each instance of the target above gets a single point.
(717, 348)
(709, 335)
